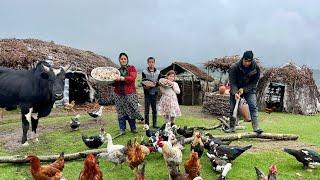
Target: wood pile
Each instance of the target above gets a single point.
(216, 104)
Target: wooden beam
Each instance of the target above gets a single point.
(192, 89)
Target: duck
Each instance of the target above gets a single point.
(219, 165)
(94, 142)
(228, 153)
(114, 153)
(214, 141)
(307, 157)
(75, 122)
(149, 132)
(185, 131)
(96, 114)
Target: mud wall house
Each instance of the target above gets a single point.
(24, 53)
(290, 89)
(192, 82)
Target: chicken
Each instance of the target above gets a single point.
(140, 172)
(135, 155)
(96, 114)
(174, 172)
(197, 144)
(46, 172)
(114, 153)
(59, 163)
(271, 176)
(149, 132)
(172, 155)
(192, 166)
(307, 157)
(219, 165)
(69, 106)
(91, 170)
(75, 122)
(94, 141)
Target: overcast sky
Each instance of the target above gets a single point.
(277, 31)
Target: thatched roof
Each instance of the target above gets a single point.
(301, 90)
(21, 53)
(181, 67)
(223, 63)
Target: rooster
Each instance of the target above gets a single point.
(197, 144)
(43, 172)
(91, 170)
(135, 155)
(96, 114)
(75, 122)
(271, 176)
(93, 142)
(192, 166)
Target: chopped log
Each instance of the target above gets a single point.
(237, 136)
(50, 158)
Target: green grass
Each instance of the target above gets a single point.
(307, 127)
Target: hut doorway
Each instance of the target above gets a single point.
(274, 96)
(79, 89)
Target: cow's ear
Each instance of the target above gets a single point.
(44, 75)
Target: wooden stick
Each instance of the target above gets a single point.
(50, 158)
(237, 136)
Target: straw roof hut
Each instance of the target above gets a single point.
(192, 82)
(289, 88)
(23, 53)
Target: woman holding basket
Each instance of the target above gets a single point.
(126, 99)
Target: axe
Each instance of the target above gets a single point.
(235, 110)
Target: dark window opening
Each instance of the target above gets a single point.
(274, 96)
(79, 90)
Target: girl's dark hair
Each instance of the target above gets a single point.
(123, 54)
(170, 72)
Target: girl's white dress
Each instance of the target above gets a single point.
(168, 104)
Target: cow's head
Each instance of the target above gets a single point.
(52, 79)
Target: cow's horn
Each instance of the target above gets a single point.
(66, 67)
(46, 68)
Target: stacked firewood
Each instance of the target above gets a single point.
(216, 104)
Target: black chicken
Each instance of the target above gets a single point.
(307, 157)
(75, 122)
(228, 153)
(96, 114)
(185, 131)
(93, 142)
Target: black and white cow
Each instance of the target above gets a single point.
(34, 91)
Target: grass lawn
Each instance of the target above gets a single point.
(60, 138)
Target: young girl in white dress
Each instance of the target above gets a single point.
(168, 104)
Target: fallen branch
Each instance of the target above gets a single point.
(207, 128)
(237, 136)
(51, 158)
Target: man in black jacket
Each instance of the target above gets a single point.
(243, 77)
(150, 93)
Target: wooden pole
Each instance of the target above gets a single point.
(182, 92)
(192, 89)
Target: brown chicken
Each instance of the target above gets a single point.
(46, 172)
(135, 155)
(192, 165)
(270, 110)
(59, 163)
(139, 174)
(69, 106)
(91, 170)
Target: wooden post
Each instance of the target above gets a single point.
(192, 93)
(182, 98)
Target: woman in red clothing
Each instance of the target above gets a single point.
(126, 99)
